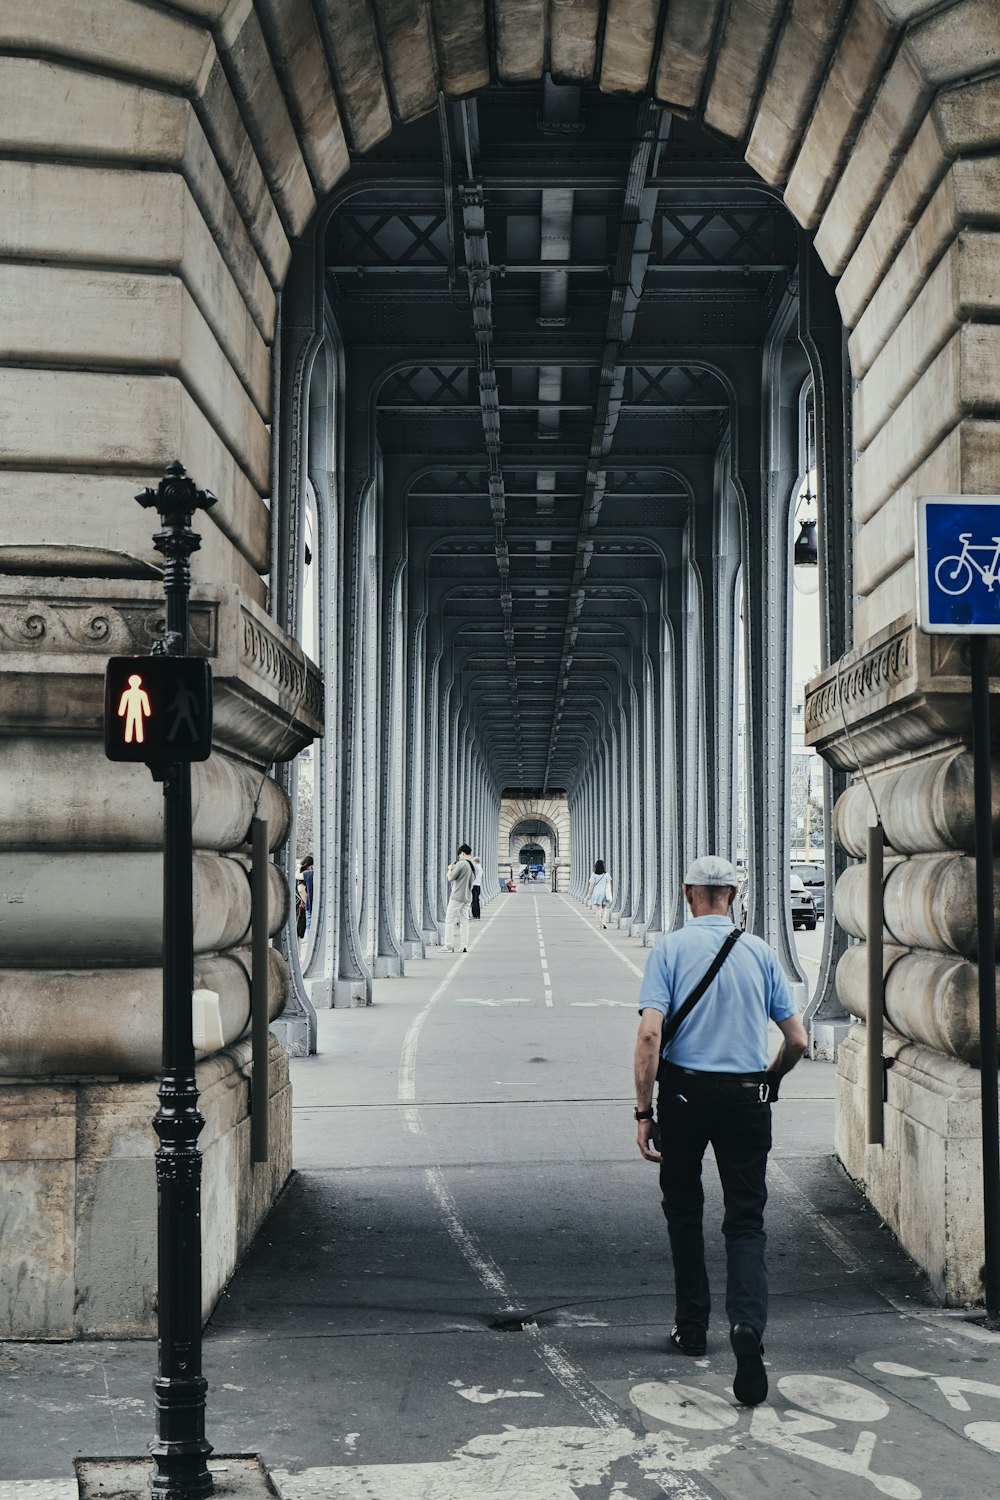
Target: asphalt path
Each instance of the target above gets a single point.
(464, 1292)
(490, 1303)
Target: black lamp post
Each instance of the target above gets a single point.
(180, 1450)
(806, 550)
(805, 553)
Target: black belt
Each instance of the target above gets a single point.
(717, 1077)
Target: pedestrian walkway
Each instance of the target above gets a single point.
(464, 1292)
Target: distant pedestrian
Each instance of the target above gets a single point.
(304, 896)
(600, 892)
(475, 909)
(456, 917)
(707, 996)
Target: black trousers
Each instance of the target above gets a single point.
(476, 910)
(729, 1115)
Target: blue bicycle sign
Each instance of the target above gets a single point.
(958, 564)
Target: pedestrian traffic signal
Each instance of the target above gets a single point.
(158, 709)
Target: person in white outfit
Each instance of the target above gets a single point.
(456, 917)
(599, 892)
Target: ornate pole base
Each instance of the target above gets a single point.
(180, 1463)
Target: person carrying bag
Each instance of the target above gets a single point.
(708, 995)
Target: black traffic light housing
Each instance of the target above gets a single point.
(158, 709)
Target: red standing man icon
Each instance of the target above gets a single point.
(134, 708)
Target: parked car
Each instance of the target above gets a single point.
(813, 876)
(803, 905)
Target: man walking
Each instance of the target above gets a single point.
(706, 1045)
(456, 916)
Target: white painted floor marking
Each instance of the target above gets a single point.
(629, 1004)
(532, 1463)
(597, 934)
(839, 1399)
(476, 1394)
(502, 1000)
(954, 1390)
(406, 1088)
(546, 980)
(789, 1431)
(952, 1387)
(986, 1434)
(551, 1463)
(685, 1406)
(485, 1267)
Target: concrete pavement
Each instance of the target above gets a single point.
(465, 1289)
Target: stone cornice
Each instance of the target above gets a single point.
(902, 690)
(56, 634)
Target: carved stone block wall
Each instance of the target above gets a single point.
(79, 1190)
(900, 706)
(81, 944)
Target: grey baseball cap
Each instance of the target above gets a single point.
(712, 869)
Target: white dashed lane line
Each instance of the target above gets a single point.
(546, 981)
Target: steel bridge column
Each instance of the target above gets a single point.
(768, 471)
(431, 725)
(676, 772)
(415, 814)
(619, 813)
(299, 349)
(652, 813)
(581, 835)
(634, 809)
(645, 797)
(822, 334)
(695, 768)
(388, 873)
(716, 550)
(354, 971)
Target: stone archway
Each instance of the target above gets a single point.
(158, 166)
(539, 820)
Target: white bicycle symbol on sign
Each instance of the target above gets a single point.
(953, 575)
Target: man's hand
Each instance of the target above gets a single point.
(644, 1132)
(794, 1044)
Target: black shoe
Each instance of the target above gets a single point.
(465, 950)
(688, 1341)
(750, 1380)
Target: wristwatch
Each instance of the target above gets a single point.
(645, 1114)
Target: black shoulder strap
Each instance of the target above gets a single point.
(672, 1024)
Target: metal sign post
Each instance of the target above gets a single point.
(958, 554)
(180, 1450)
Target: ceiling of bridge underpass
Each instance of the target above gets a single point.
(556, 269)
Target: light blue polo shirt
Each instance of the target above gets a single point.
(726, 1031)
